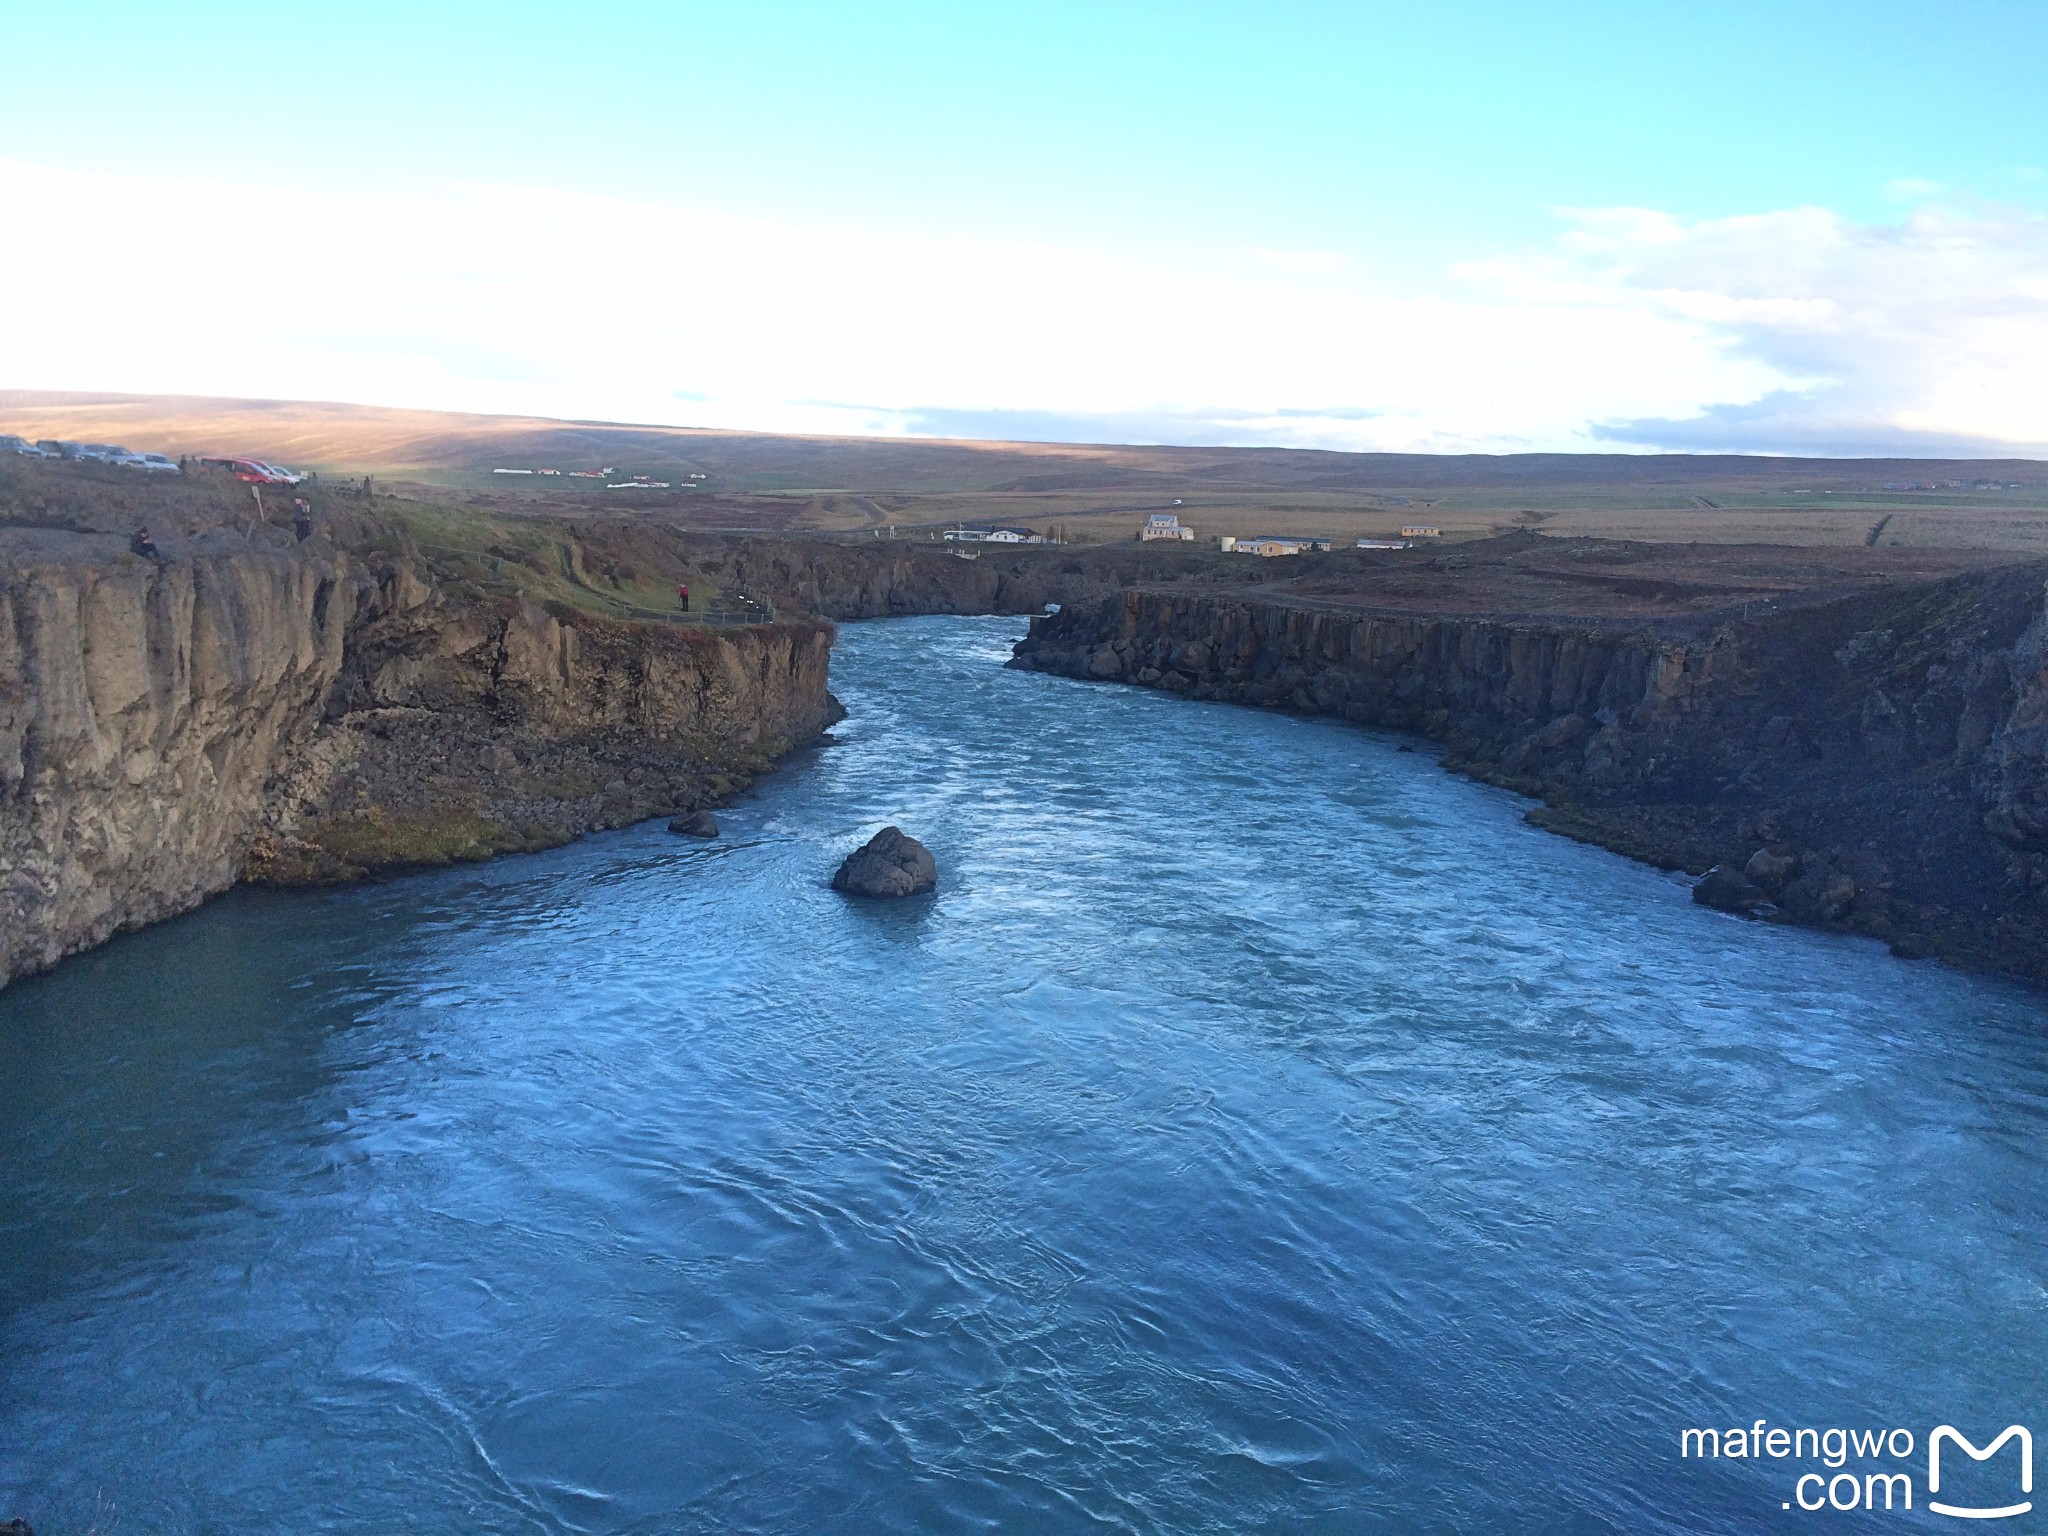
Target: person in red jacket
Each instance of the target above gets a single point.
(683, 596)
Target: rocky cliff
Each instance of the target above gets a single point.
(854, 578)
(308, 712)
(1872, 761)
(142, 711)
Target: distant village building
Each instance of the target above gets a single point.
(1272, 545)
(1421, 531)
(1386, 543)
(994, 536)
(1165, 525)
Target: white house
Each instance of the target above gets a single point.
(1271, 545)
(1165, 525)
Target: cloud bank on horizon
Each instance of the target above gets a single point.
(1784, 331)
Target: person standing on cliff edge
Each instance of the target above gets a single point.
(683, 596)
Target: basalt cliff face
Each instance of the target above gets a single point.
(862, 579)
(141, 713)
(308, 713)
(1876, 761)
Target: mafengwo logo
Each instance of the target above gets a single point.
(1953, 1437)
(1874, 1468)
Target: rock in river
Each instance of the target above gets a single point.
(695, 824)
(889, 865)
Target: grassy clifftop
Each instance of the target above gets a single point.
(606, 567)
(609, 570)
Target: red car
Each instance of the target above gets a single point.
(250, 471)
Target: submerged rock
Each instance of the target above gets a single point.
(695, 824)
(1727, 890)
(890, 864)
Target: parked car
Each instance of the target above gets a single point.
(249, 471)
(288, 476)
(101, 453)
(59, 447)
(155, 462)
(21, 445)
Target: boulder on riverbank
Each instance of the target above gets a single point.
(889, 864)
(695, 824)
(1770, 869)
(1728, 890)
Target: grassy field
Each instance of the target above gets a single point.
(1092, 493)
(553, 563)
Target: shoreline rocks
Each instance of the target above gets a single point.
(1728, 890)
(889, 864)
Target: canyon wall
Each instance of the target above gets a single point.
(857, 578)
(1873, 763)
(141, 712)
(308, 713)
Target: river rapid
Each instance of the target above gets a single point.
(1260, 1130)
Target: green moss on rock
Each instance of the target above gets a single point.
(380, 841)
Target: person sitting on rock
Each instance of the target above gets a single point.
(140, 543)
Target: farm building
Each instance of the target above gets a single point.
(1165, 525)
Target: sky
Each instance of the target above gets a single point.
(1800, 227)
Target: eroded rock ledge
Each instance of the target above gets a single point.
(308, 713)
(1873, 758)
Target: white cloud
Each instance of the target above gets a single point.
(1930, 335)
(1634, 328)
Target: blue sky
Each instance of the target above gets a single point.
(1395, 159)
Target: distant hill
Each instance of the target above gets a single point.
(449, 446)
(1080, 492)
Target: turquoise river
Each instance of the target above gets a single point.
(1260, 1130)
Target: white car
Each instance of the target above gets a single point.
(288, 476)
(156, 462)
